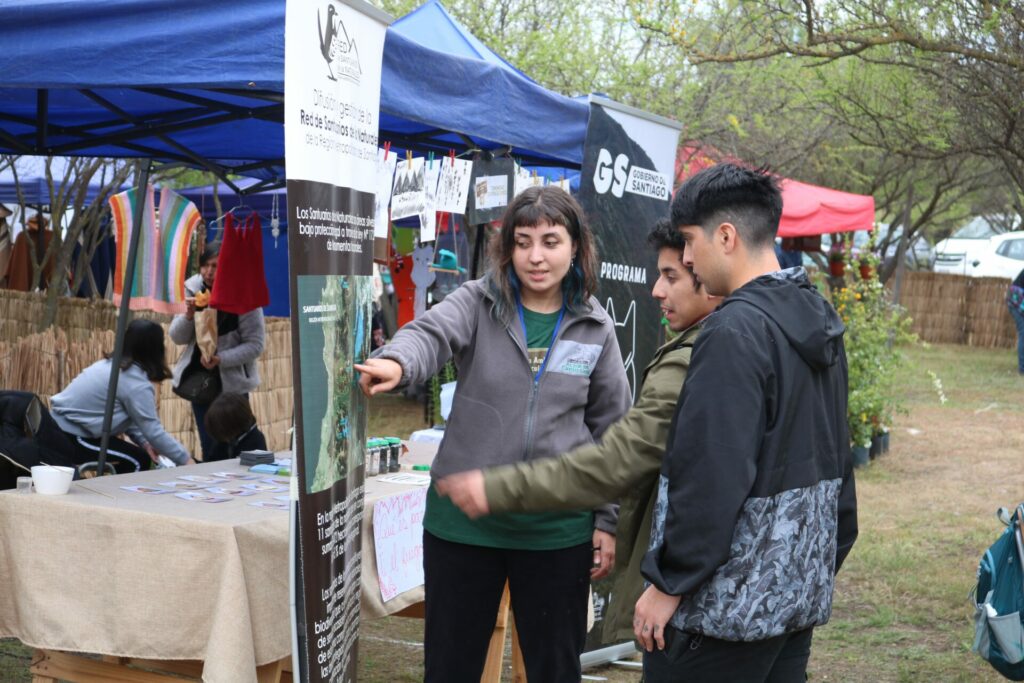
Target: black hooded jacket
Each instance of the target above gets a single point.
(757, 506)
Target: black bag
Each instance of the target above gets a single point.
(199, 385)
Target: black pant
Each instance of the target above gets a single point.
(690, 658)
(463, 586)
(125, 456)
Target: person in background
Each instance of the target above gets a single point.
(79, 409)
(1015, 302)
(626, 462)
(540, 372)
(240, 341)
(232, 426)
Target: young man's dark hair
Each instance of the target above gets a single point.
(664, 236)
(750, 199)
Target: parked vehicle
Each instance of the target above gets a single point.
(920, 255)
(961, 252)
(1003, 257)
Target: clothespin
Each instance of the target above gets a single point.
(430, 160)
(408, 158)
(387, 149)
(451, 153)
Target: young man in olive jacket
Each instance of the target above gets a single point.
(626, 462)
(756, 505)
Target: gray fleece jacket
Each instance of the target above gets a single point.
(499, 416)
(79, 409)
(238, 350)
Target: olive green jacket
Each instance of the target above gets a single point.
(625, 464)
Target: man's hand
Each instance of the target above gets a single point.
(377, 375)
(466, 489)
(210, 364)
(153, 455)
(604, 555)
(190, 308)
(653, 610)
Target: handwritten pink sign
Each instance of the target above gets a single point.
(398, 541)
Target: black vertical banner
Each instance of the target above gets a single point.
(333, 54)
(625, 187)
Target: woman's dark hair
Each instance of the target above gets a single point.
(229, 417)
(211, 251)
(144, 346)
(533, 206)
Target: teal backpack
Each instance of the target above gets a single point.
(998, 600)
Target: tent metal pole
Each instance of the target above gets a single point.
(122, 315)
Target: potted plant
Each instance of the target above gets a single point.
(836, 260)
(873, 327)
(866, 265)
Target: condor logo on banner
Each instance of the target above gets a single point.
(618, 176)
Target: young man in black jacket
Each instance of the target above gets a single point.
(756, 507)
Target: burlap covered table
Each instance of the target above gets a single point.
(107, 571)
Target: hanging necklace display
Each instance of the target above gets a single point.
(275, 220)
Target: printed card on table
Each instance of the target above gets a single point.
(260, 486)
(236, 475)
(145, 489)
(270, 504)
(230, 491)
(202, 479)
(195, 496)
(184, 485)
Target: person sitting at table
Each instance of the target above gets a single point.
(232, 426)
(539, 373)
(79, 409)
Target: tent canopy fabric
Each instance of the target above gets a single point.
(202, 83)
(807, 209)
(813, 210)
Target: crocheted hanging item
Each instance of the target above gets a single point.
(240, 284)
(159, 280)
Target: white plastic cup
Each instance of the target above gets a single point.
(24, 484)
(52, 480)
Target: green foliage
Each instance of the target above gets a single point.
(874, 328)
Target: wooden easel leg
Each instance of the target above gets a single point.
(496, 650)
(518, 665)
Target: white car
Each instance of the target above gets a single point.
(961, 253)
(1004, 256)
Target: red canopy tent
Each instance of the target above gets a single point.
(807, 210)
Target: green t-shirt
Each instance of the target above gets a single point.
(513, 530)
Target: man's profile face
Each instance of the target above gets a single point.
(703, 258)
(681, 301)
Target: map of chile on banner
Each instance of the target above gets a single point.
(333, 53)
(625, 187)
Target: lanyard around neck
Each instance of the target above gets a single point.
(526, 337)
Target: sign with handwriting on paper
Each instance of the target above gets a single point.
(398, 541)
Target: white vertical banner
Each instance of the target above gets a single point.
(333, 53)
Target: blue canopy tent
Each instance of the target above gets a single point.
(201, 84)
